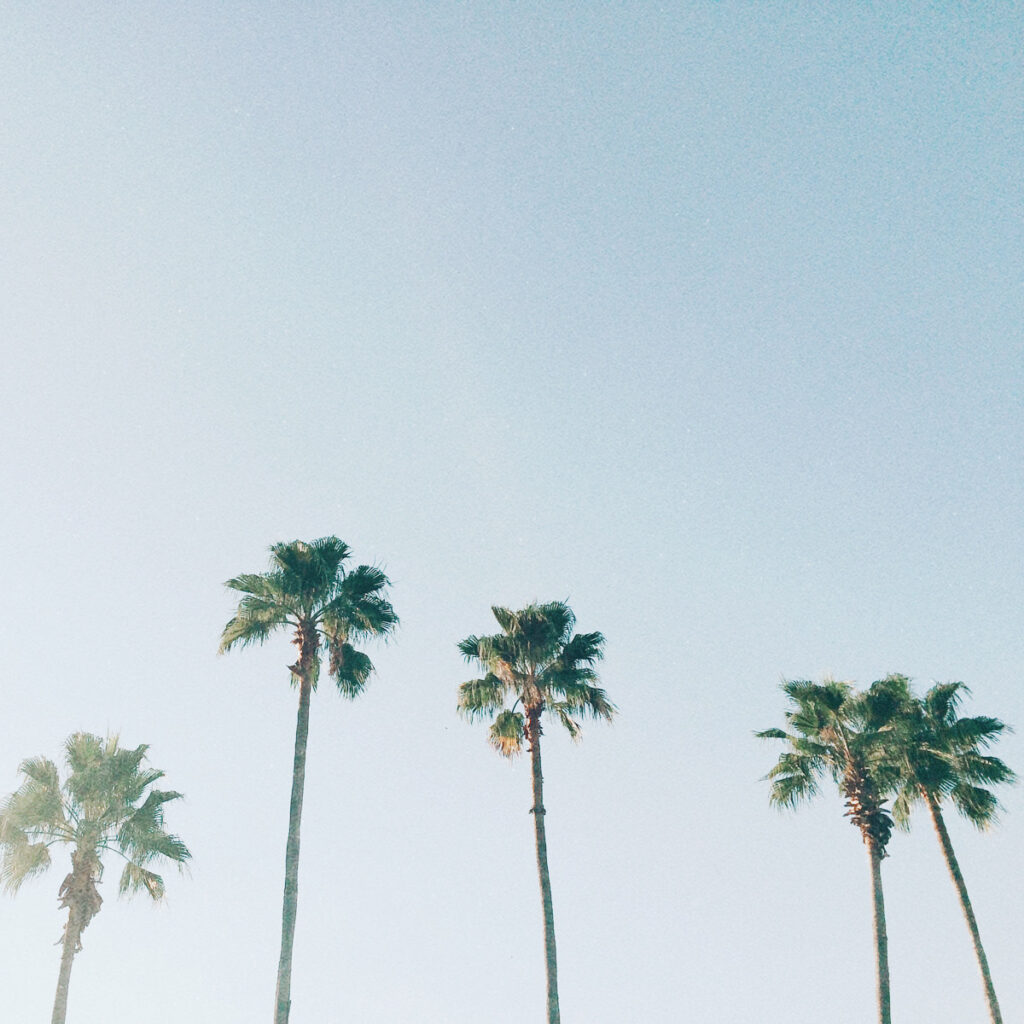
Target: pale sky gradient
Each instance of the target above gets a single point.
(706, 317)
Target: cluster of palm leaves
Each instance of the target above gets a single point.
(888, 744)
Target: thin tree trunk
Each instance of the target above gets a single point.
(538, 812)
(283, 1000)
(881, 939)
(965, 905)
(60, 1001)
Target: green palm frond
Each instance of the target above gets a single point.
(135, 878)
(978, 805)
(903, 805)
(481, 698)
(20, 858)
(793, 779)
(350, 669)
(507, 733)
(266, 587)
(589, 701)
(37, 805)
(973, 733)
(256, 619)
(564, 713)
(506, 618)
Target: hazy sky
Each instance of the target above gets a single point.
(704, 316)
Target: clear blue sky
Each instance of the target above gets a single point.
(707, 317)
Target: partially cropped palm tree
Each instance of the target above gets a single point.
(536, 665)
(941, 758)
(105, 806)
(309, 592)
(838, 733)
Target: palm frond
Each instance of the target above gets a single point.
(135, 878)
(507, 733)
(481, 698)
(20, 858)
(256, 619)
(793, 780)
(978, 805)
(350, 669)
(584, 699)
(571, 726)
(903, 805)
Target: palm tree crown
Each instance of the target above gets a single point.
(535, 664)
(309, 590)
(840, 733)
(943, 755)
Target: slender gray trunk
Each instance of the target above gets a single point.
(538, 812)
(60, 1001)
(283, 999)
(965, 905)
(881, 939)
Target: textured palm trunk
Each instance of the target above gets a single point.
(533, 730)
(965, 905)
(283, 999)
(60, 1002)
(881, 938)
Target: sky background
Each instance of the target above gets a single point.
(705, 317)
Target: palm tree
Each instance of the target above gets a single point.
(941, 757)
(836, 732)
(309, 591)
(102, 807)
(535, 665)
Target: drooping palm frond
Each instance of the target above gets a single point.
(350, 669)
(794, 779)
(580, 698)
(507, 733)
(135, 878)
(481, 698)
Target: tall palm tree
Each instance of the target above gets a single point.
(326, 606)
(102, 807)
(536, 665)
(837, 732)
(941, 757)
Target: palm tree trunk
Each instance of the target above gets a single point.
(283, 999)
(60, 1001)
(881, 939)
(533, 734)
(965, 905)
